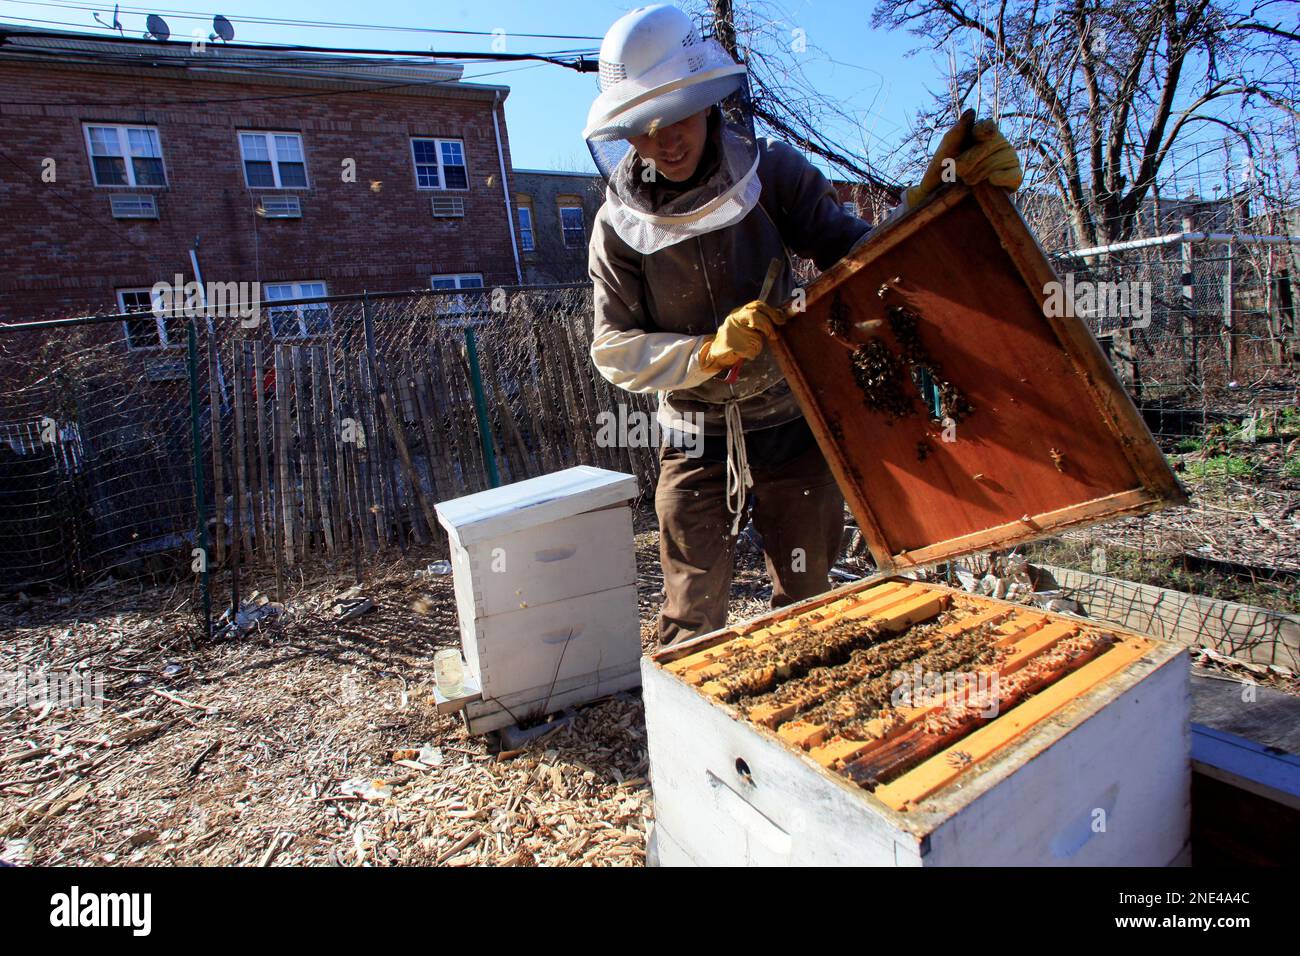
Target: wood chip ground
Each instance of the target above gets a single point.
(299, 744)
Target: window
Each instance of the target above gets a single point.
(125, 156)
(458, 303)
(571, 223)
(273, 160)
(524, 207)
(851, 208)
(152, 330)
(297, 321)
(470, 281)
(439, 164)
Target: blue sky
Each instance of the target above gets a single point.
(870, 75)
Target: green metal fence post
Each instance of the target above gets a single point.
(200, 497)
(480, 408)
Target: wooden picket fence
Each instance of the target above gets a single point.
(321, 449)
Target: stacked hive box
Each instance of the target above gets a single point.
(810, 736)
(545, 578)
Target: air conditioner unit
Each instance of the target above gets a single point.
(133, 207)
(448, 207)
(281, 207)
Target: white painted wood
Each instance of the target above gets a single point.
(802, 816)
(1122, 747)
(551, 562)
(534, 501)
(1125, 767)
(464, 585)
(530, 647)
(534, 702)
(544, 572)
(663, 850)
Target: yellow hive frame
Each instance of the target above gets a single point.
(897, 604)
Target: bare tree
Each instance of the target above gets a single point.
(785, 102)
(1097, 93)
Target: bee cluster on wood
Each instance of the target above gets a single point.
(904, 324)
(881, 377)
(904, 692)
(889, 381)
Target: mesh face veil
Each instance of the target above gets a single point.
(656, 71)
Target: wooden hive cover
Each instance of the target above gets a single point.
(534, 501)
(1051, 439)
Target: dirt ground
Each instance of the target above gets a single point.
(308, 741)
(1243, 529)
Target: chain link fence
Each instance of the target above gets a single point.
(320, 431)
(1199, 321)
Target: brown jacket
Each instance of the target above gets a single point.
(654, 311)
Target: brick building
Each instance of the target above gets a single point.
(555, 211)
(309, 174)
(865, 200)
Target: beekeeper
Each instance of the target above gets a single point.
(696, 207)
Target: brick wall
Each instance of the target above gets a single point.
(65, 254)
(868, 202)
(551, 261)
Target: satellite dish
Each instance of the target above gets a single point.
(156, 27)
(222, 29)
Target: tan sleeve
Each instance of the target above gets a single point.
(624, 352)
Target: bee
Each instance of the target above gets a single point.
(960, 758)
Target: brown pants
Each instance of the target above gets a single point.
(796, 507)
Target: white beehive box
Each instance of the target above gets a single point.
(1103, 780)
(545, 579)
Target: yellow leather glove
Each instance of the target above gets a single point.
(978, 153)
(740, 336)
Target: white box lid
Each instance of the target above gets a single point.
(534, 501)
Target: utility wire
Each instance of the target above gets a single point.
(313, 24)
(78, 32)
(80, 212)
(265, 56)
(576, 61)
(269, 57)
